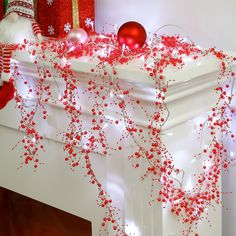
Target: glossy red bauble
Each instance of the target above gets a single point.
(132, 34)
(7, 91)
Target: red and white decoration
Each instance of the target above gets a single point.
(57, 17)
(85, 136)
(5, 57)
(104, 117)
(17, 26)
(23, 8)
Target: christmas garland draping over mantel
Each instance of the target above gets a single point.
(103, 91)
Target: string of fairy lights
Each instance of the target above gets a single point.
(104, 90)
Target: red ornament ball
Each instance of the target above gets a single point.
(78, 35)
(132, 34)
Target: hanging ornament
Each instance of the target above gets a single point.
(78, 35)
(132, 34)
(7, 91)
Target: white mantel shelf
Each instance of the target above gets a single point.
(190, 95)
(190, 86)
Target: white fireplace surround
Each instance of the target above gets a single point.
(189, 97)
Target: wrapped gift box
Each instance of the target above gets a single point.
(57, 17)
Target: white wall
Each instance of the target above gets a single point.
(209, 22)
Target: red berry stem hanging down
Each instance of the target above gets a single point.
(103, 90)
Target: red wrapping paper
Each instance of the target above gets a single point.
(1, 9)
(55, 17)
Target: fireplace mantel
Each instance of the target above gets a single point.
(190, 96)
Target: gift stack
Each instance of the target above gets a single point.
(57, 17)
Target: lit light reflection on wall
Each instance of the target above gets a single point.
(132, 229)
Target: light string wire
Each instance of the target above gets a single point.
(123, 110)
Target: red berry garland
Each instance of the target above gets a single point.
(103, 90)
